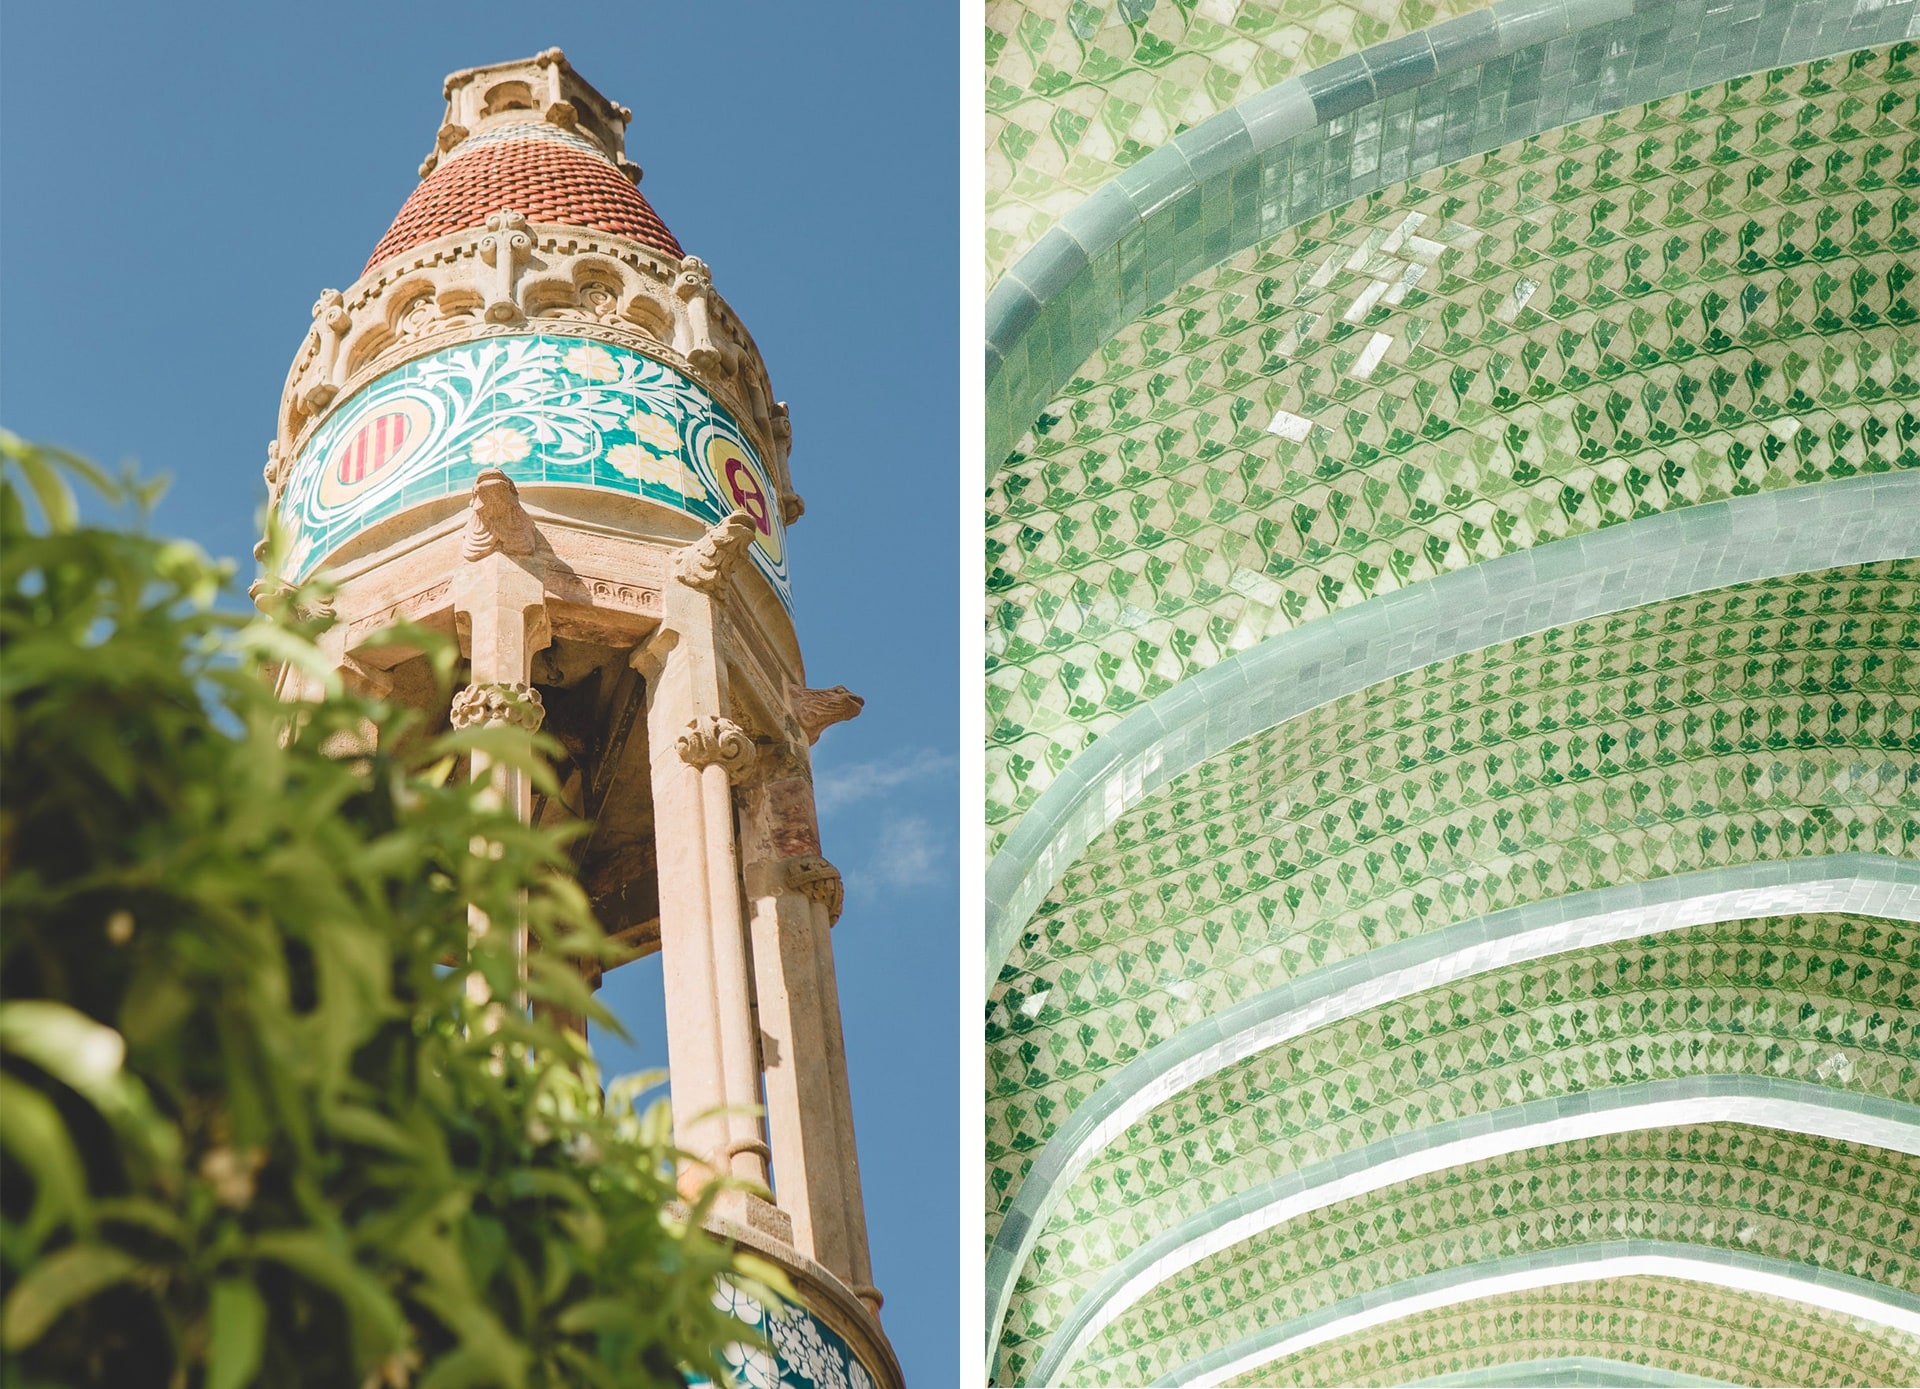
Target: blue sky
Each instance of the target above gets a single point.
(181, 180)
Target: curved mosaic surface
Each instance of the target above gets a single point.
(1078, 91)
(543, 409)
(1681, 1328)
(1733, 1188)
(1770, 1000)
(803, 1351)
(1758, 722)
(1542, 343)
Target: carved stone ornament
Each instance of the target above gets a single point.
(818, 881)
(496, 519)
(507, 242)
(499, 703)
(819, 710)
(711, 741)
(706, 563)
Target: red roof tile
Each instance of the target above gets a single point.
(540, 177)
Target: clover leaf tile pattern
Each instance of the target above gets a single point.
(1756, 721)
(1759, 721)
(1078, 91)
(1822, 999)
(1691, 1328)
(1778, 1195)
(1704, 296)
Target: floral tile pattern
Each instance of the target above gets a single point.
(543, 409)
(1705, 296)
(1714, 1333)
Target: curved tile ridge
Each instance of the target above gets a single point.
(1863, 884)
(1267, 163)
(1814, 1287)
(1570, 1369)
(1824, 525)
(1794, 1106)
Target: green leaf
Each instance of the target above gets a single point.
(56, 1283)
(37, 1138)
(237, 1335)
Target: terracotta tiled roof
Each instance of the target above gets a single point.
(531, 169)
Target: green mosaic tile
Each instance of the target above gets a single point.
(1690, 300)
(1688, 1328)
(1777, 1195)
(1758, 722)
(1077, 91)
(1827, 1000)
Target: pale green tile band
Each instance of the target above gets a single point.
(1816, 1287)
(1653, 559)
(1569, 1370)
(1462, 87)
(1866, 884)
(1789, 1105)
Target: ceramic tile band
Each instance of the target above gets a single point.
(1794, 1106)
(1569, 1369)
(1836, 1292)
(1268, 163)
(1862, 883)
(1825, 525)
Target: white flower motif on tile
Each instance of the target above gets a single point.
(502, 444)
(655, 431)
(591, 361)
(644, 466)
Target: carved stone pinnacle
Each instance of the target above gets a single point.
(819, 710)
(711, 741)
(706, 563)
(499, 703)
(497, 520)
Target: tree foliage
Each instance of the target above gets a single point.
(253, 1129)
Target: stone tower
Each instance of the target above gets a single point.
(534, 424)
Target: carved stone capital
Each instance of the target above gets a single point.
(496, 519)
(819, 710)
(818, 881)
(705, 564)
(499, 703)
(711, 741)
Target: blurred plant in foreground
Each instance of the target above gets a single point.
(252, 1129)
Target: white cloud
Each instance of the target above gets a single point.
(908, 854)
(839, 787)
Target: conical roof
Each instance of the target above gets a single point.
(529, 166)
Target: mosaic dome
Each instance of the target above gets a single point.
(545, 173)
(1453, 728)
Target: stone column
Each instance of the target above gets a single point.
(697, 753)
(820, 882)
(500, 607)
(795, 896)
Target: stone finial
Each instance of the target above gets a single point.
(819, 881)
(705, 564)
(496, 519)
(496, 704)
(506, 244)
(819, 710)
(275, 472)
(711, 741)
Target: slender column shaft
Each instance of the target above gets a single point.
(834, 1055)
(804, 1119)
(747, 1150)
